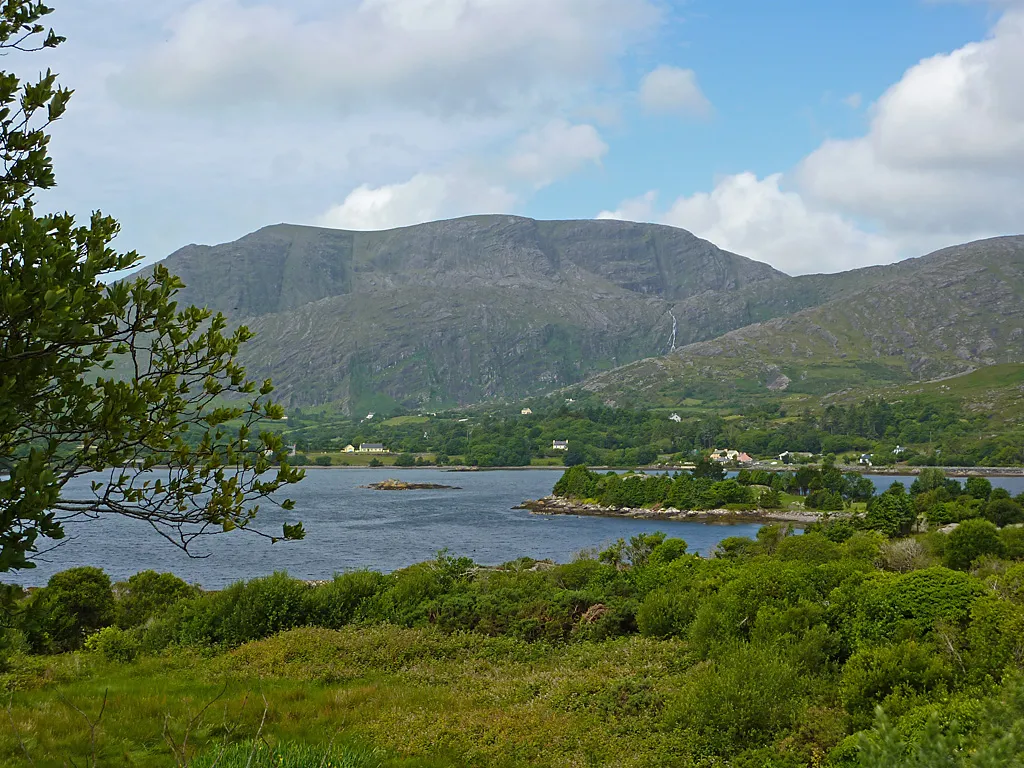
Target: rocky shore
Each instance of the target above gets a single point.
(556, 505)
(401, 485)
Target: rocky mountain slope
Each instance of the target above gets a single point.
(941, 315)
(463, 310)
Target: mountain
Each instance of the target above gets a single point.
(487, 306)
(941, 315)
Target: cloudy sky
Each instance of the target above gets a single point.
(816, 136)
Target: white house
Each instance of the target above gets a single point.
(527, 411)
(372, 448)
(560, 445)
(676, 418)
(727, 454)
(898, 450)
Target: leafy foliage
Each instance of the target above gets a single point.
(98, 375)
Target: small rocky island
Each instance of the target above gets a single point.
(401, 485)
(558, 505)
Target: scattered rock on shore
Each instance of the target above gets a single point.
(401, 485)
(556, 505)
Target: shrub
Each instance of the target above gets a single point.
(113, 644)
(874, 675)
(1013, 543)
(1004, 512)
(668, 551)
(322, 461)
(666, 613)
(902, 556)
(971, 540)
(243, 612)
(339, 602)
(809, 548)
(147, 594)
(825, 500)
(979, 487)
(73, 604)
(910, 605)
(744, 700)
(864, 546)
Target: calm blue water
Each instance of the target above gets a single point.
(351, 527)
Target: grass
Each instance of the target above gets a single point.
(257, 754)
(341, 459)
(417, 696)
(399, 421)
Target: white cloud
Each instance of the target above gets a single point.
(425, 197)
(441, 56)
(635, 209)
(945, 151)
(942, 163)
(671, 89)
(758, 219)
(853, 101)
(201, 120)
(556, 150)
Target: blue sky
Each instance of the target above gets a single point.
(777, 74)
(815, 136)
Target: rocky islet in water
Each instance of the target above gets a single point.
(401, 485)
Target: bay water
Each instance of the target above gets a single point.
(349, 526)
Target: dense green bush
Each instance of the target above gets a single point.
(898, 676)
(747, 697)
(1004, 512)
(114, 644)
(242, 612)
(971, 540)
(339, 602)
(147, 594)
(72, 605)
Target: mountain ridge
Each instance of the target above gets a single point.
(460, 310)
(481, 307)
(938, 315)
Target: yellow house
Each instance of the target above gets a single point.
(350, 449)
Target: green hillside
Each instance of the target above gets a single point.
(942, 315)
(460, 311)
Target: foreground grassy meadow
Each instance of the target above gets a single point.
(417, 697)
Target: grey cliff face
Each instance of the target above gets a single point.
(503, 307)
(455, 311)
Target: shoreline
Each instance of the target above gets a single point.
(555, 505)
(952, 472)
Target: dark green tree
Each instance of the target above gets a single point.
(971, 540)
(709, 469)
(891, 513)
(574, 457)
(73, 604)
(147, 593)
(405, 460)
(98, 375)
(979, 487)
(1004, 512)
